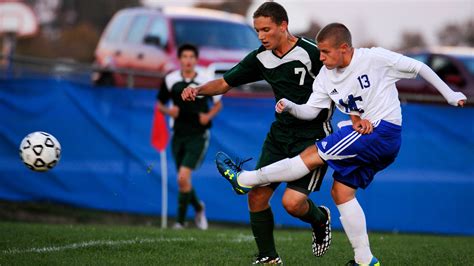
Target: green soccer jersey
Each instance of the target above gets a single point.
(290, 76)
(187, 122)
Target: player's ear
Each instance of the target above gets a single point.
(344, 46)
(283, 26)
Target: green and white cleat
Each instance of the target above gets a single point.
(373, 262)
(231, 171)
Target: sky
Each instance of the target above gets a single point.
(375, 21)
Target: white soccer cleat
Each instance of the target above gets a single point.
(177, 226)
(200, 219)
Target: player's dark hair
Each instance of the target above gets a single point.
(337, 31)
(272, 10)
(188, 47)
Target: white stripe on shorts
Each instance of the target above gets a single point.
(348, 144)
(318, 177)
(312, 179)
(345, 145)
(342, 142)
(327, 157)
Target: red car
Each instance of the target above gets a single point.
(146, 40)
(455, 65)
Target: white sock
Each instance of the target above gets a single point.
(353, 221)
(285, 170)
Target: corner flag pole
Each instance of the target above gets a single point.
(164, 189)
(159, 140)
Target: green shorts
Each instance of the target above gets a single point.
(282, 143)
(189, 151)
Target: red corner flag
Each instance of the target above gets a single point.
(159, 131)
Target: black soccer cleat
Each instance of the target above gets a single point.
(321, 239)
(266, 260)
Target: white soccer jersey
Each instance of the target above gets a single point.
(367, 86)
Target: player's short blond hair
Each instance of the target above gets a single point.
(336, 31)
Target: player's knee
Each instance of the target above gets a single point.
(334, 194)
(340, 196)
(258, 200)
(293, 206)
(184, 182)
(311, 157)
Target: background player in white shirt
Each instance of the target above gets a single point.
(192, 122)
(361, 82)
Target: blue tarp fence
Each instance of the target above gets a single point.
(107, 157)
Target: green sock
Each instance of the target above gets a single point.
(314, 216)
(262, 227)
(183, 201)
(194, 200)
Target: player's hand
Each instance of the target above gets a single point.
(173, 111)
(204, 119)
(283, 105)
(363, 126)
(280, 106)
(189, 94)
(457, 98)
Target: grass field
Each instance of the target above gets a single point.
(46, 244)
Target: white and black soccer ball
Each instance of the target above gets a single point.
(40, 151)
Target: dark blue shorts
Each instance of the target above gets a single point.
(356, 158)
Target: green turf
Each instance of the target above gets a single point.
(46, 244)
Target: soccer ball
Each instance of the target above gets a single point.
(40, 151)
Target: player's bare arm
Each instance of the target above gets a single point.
(172, 111)
(214, 87)
(205, 118)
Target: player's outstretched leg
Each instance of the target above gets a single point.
(373, 262)
(321, 239)
(230, 170)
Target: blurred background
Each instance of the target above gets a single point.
(72, 28)
(90, 71)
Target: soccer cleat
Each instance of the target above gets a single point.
(200, 218)
(373, 262)
(321, 239)
(230, 170)
(265, 260)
